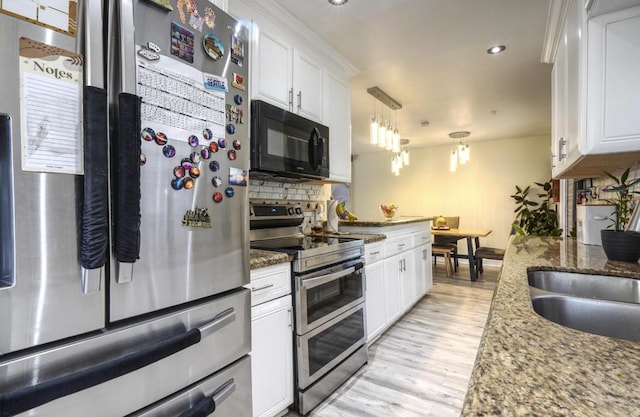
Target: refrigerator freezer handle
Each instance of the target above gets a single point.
(207, 405)
(23, 399)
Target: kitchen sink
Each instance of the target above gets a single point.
(597, 304)
(601, 287)
(601, 317)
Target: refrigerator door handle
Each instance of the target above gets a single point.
(207, 405)
(95, 217)
(127, 48)
(127, 155)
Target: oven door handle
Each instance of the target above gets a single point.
(207, 405)
(314, 282)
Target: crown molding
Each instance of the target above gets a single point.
(555, 24)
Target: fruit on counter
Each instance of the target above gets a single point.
(388, 211)
(344, 213)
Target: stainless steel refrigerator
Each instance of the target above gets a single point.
(123, 209)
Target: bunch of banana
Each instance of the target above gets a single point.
(344, 213)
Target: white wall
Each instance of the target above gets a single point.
(478, 192)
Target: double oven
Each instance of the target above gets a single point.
(329, 300)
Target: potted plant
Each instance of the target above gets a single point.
(536, 217)
(619, 244)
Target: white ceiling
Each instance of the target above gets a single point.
(430, 55)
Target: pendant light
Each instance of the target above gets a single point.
(395, 145)
(453, 161)
(373, 127)
(461, 152)
(386, 136)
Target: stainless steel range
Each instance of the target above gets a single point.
(328, 274)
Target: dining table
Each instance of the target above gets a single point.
(472, 236)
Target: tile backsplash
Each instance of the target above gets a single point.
(312, 197)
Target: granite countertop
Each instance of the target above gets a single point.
(384, 223)
(367, 237)
(529, 366)
(260, 258)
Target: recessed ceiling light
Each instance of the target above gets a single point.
(338, 2)
(494, 50)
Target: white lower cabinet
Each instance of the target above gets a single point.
(408, 281)
(271, 341)
(422, 271)
(375, 295)
(397, 270)
(393, 292)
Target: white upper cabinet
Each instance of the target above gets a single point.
(613, 121)
(272, 70)
(594, 96)
(292, 68)
(337, 112)
(307, 86)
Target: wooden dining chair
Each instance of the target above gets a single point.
(447, 242)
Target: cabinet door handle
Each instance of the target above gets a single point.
(561, 144)
(375, 253)
(299, 99)
(264, 287)
(291, 98)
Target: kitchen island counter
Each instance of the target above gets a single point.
(528, 365)
(384, 223)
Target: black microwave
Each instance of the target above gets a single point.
(284, 144)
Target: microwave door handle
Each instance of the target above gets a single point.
(26, 398)
(319, 151)
(207, 405)
(313, 148)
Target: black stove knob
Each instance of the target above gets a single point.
(290, 211)
(298, 210)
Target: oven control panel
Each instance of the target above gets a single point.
(263, 215)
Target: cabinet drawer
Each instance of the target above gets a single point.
(422, 237)
(373, 252)
(269, 283)
(397, 245)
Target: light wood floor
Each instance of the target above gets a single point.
(421, 366)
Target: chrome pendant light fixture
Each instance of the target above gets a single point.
(384, 134)
(461, 152)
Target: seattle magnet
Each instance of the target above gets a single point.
(232, 155)
(216, 181)
(231, 128)
(222, 143)
(217, 197)
(193, 140)
(214, 166)
(213, 147)
(236, 145)
(229, 192)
